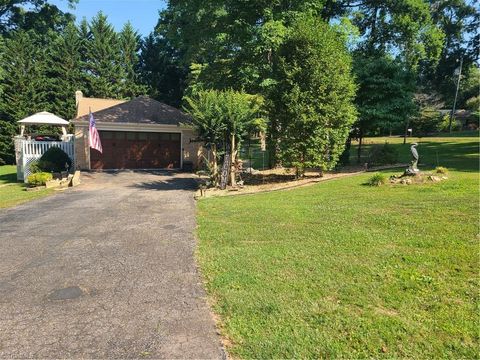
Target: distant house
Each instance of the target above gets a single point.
(138, 134)
(460, 115)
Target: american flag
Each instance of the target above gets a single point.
(94, 138)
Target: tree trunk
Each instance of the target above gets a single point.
(214, 165)
(345, 157)
(233, 172)
(359, 151)
(225, 168)
(273, 145)
(406, 132)
(373, 31)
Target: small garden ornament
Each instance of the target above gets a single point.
(413, 168)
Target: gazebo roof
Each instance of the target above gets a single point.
(44, 118)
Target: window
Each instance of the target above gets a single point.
(164, 136)
(152, 136)
(106, 135)
(131, 136)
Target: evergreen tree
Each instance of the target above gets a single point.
(64, 72)
(103, 59)
(385, 96)
(23, 86)
(313, 97)
(161, 70)
(130, 44)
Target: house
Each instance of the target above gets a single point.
(138, 134)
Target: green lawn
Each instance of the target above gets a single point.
(340, 269)
(459, 153)
(13, 192)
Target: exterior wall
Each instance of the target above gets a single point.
(191, 149)
(82, 150)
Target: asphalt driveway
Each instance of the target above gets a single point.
(105, 270)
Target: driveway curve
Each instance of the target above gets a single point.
(105, 270)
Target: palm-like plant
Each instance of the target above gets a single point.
(225, 118)
(207, 121)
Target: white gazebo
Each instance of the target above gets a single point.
(28, 150)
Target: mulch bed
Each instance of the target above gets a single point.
(284, 179)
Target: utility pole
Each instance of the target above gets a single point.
(452, 114)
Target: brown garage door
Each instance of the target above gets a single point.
(137, 150)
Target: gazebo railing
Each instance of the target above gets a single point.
(28, 151)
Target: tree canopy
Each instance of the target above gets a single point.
(222, 120)
(314, 107)
(42, 67)
(399, 47)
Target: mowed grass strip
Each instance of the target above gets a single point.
(457, 153)
(340, 269)
(12, 192)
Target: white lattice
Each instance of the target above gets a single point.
(32, 150)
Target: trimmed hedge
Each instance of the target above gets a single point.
(54, 160)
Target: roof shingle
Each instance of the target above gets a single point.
(140, 110)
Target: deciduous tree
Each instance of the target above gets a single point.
(222, 120)
(385, 97)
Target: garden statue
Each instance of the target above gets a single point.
(413, 169)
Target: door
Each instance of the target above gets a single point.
(137, 150)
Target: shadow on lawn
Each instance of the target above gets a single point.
(8, 178)
(457, 156)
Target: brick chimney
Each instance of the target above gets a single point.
(78, 96)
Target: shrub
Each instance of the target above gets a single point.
(427, 121)
(445, 124)
(441, 170)
(377, 179)
(39, 179)
(382, 155)
(34, 167)
(54, 160)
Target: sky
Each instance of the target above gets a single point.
(143, 14)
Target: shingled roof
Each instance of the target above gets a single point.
(141, 110)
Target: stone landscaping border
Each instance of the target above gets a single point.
(250, 190)
(70, 181)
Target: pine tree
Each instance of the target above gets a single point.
(130, 44)
(23, 86)
(161, 70)
(64, 71)
(103, 61)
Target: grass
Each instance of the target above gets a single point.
(459, 153)
(12, 192)
(339, 269)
